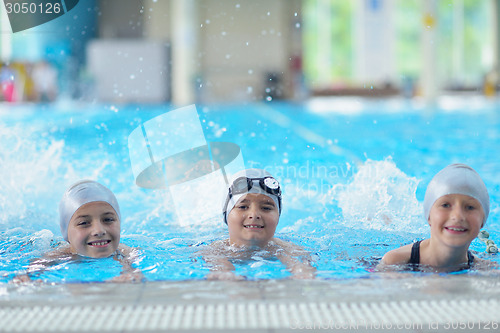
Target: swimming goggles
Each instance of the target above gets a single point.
(244, 185)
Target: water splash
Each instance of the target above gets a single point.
(380, 197)
(29, 164)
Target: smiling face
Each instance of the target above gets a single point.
(253, 221)
(94, 230)
(456, 219)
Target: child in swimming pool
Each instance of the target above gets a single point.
(456, 206)
(251, 211)
(89, 217)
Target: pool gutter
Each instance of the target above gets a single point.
(395, 302)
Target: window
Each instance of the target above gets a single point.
(464, 41)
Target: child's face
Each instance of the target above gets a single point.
(456, 219)
(253, 220)
(94, 230)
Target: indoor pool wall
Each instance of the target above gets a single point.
(325, 158)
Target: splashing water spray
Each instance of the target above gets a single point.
(380, 197)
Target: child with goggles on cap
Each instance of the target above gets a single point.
(89, 217)
(251, 211)
(456, 206)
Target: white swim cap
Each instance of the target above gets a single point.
(457, 179)
(260, 182)
(79, 194)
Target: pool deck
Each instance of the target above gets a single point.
(397, 302)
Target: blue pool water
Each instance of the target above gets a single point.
(354, 174)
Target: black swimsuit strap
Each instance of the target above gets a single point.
(470, 259)
(415, 254)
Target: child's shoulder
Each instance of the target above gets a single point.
(127, 252)
(483, 264)
(222, 244)
(289, 248)
(62, 252)
(285, 245)
(218, 247)
(124, 249)
(398, 256)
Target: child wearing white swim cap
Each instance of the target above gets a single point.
(456, 206)
(90, 221)
(89, 217)
(251, 211)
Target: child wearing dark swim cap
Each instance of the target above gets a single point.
(456, 206)
(90, 221)
(251, 211)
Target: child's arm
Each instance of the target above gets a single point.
(288, 254)
(38, 265)
(127, 258)
(399, 256)
(220, 267)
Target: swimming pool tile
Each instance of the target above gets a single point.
(251, 306)
(188, 292)
(70, 294)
